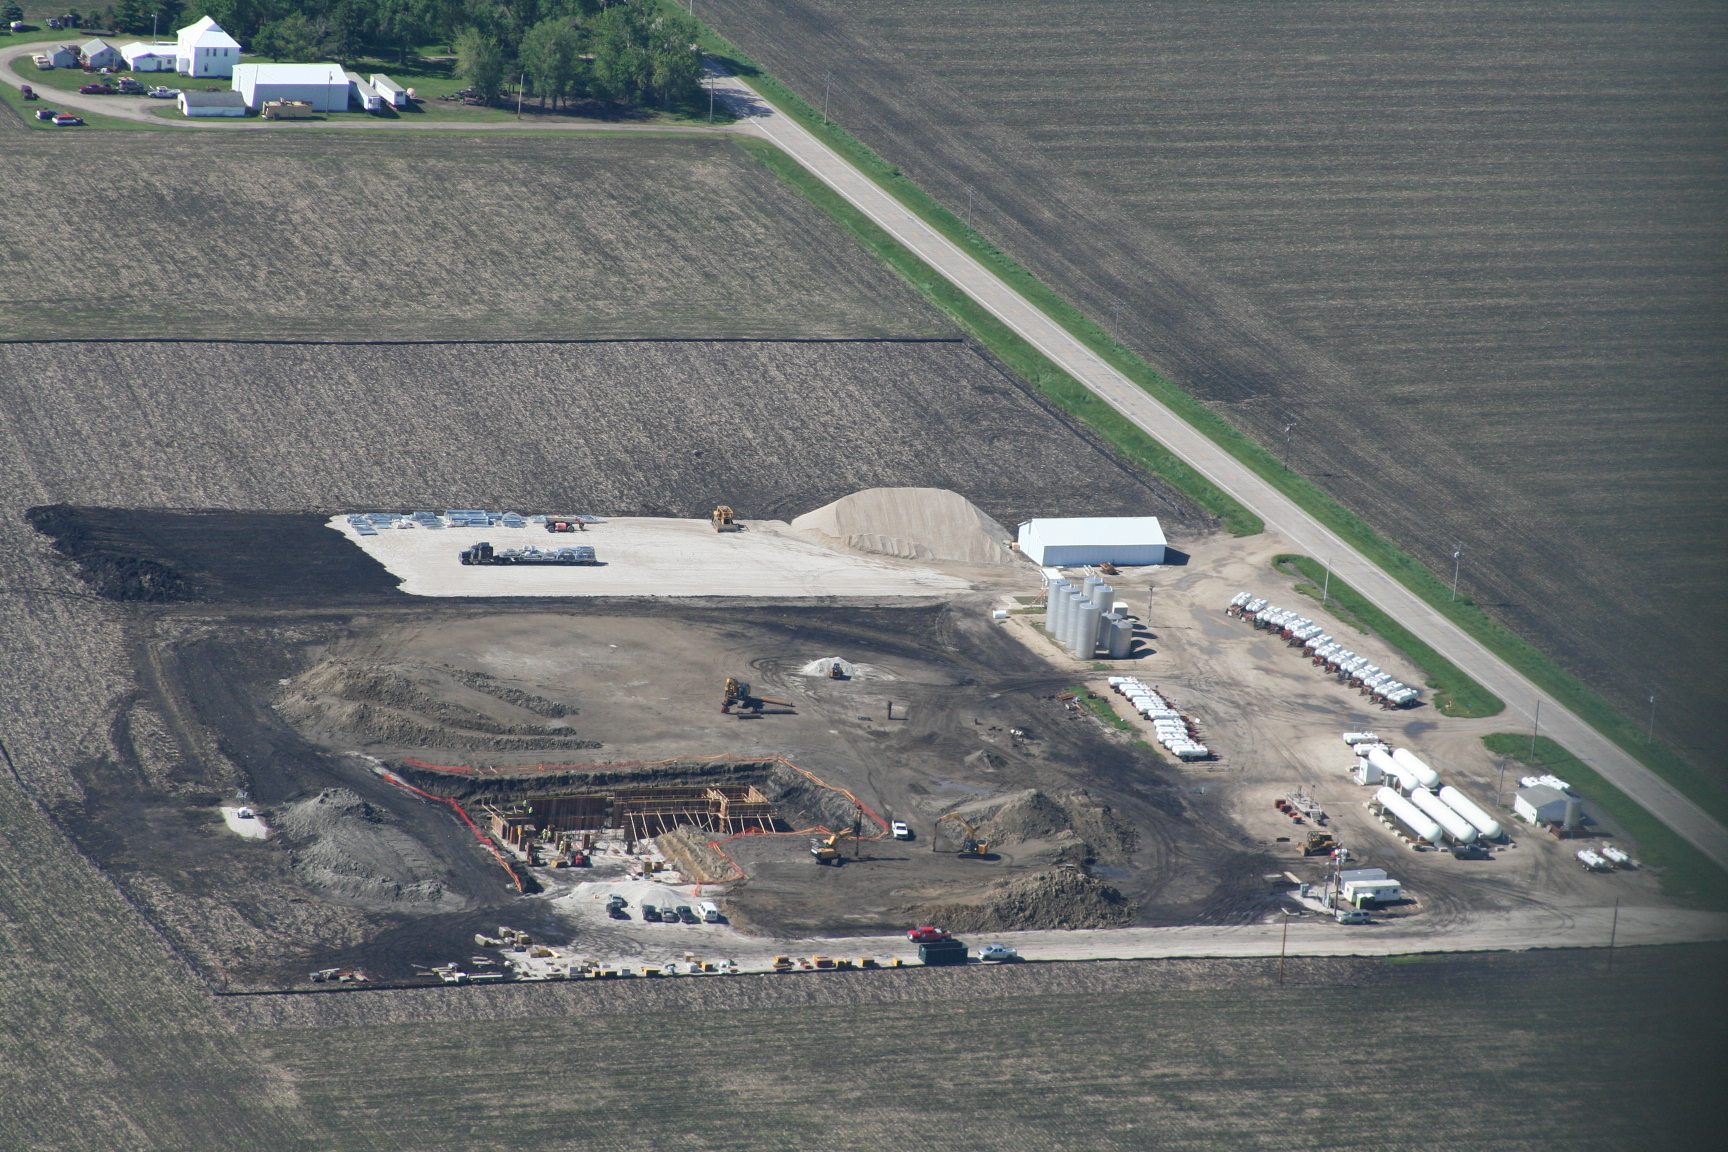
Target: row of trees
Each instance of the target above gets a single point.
(632, 52)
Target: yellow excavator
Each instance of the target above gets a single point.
(738, 696)
(826, 849)
(970, 844)
(724, 519)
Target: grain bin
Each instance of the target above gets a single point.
(1121, 639)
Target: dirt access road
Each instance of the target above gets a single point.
(1280, 513)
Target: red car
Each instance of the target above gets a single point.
(926, 935)
(95, 90)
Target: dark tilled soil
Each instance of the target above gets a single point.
(1472, 252)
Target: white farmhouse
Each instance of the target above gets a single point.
(324, 86)
(205, 50)
(151, 57)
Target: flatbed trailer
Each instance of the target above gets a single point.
(483, 553)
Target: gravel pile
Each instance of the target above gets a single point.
(352, 854)
(913, 524)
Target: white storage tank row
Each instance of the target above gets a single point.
(1169, 726)
(1418, 823)
(1461, 818)
(1083, 619)
(1312, 638)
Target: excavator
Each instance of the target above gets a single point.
(826, 849)
(970, 844)
(724, 519)
(738, 696)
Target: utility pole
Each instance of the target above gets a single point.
(1613, 932)
(1287, 429)
(710, 99)
(827, 82)
(1457, 560)
(1326, 590)
(518, 95)
(1535, 728)
(1650, 729)
(969, 194)
(1501, 790)
(1281, 944)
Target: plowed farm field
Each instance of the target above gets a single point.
(415, 236)
(1472, 253)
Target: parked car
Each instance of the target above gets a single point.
(163, 92)
(95, 90)
(20, 26)
(687, 915)
(44, 63)
(66, 120)
(26, 91)
(900, 831)
(46, 113)
(130, 87)
(616, 911)
(1351, 916)
(650, 914)
(926, 935)
(997, 954)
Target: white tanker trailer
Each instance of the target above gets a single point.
(1473, 812)
(1413, 818)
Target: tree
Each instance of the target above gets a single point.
(480, 61)
(346, 33)
(550, 56)
(11, 13)
(293, 37)
(167, 13)
(132, 16)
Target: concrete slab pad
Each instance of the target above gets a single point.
(643, 556)
(251, 827)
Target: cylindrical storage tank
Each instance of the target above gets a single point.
(1090, 583)
(1412, 817)
(1121, 639)
(1086, 630)
(1392, 770)
(1070, 618)
(1574, 813)
(1473, 812)
(1425, 775)
(1459, 829)
(1059, 591)
(1104, 597)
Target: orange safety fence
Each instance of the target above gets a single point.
(472, 827)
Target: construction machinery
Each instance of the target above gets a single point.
(970, 843)
(738, 696)
(1318, 844)
(554, 524)
(484, 553)
(724, 519)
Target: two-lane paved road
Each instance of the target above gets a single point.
(1279, 512)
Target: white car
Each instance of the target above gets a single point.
(900, 831)
(997, 954)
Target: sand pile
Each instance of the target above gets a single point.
(822, 667)
(911, 523)
(351, 853)
(1062, 898)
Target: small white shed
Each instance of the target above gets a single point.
(1132, 541)
(1541, 804)
(324, 86)
(212, 104)
(150, 57)
(101, 54)
(62, 55)
(393, 93)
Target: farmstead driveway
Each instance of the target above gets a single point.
(1279, 512)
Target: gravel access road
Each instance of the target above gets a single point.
(1280, 513)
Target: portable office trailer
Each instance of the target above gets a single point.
(363, 93)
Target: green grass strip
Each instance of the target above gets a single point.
(1687, 875)
(1100, 708)
(1455, 694)
(1005, 344)
(1523, 656)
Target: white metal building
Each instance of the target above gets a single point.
(150, 57)
(1069, 543)
(62, 55)
(101, 54)
(212, 104)
(324, 86)
(205, 50)
(1541, 804)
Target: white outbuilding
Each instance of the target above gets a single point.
(203, 49)
(150, 57)
(1132, 541)
(211, 104)
(324, 86)
(101, 54)
(1542, 804)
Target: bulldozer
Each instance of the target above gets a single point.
(724, 519)
(738, 696)
(1318, 844)
(970, 843)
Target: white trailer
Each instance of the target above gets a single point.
(393, 93)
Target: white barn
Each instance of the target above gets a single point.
(101, 54)
(151, 57)
(203, 49)
(324, 86)
(1132, 541)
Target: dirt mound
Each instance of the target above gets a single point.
(824, 666)
(351, 853)
(687, 847)
(110, 562)
(410, 705)
(1074, 815)
(1062, 898)
(912, 523)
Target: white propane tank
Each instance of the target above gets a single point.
(1424, 775)
(1409, 815)
(1473, 812)
(1392, 769)
(1459, 829)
